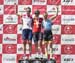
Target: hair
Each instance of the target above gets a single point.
(29, 8)
(45, 13)
(37, 11)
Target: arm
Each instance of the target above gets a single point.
(21, 19)
(53, 17)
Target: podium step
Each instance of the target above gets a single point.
(38, 61)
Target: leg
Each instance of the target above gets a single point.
(24, 37)
(30, 40)
(39, 45)
(35, 41)
(50, 47)
(50, 38)
(24, 43)
(36, 46)
(46, 40)
(30, 46)
(40, 36)
(46, 48)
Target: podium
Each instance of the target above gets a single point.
(38, 61)
(51, 61)
(24, 61)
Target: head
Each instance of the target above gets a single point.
(28, 10)
(37, 12)
(45, 15)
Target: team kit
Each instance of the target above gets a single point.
(39, 29)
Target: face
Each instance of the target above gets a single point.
(45, 15)
(28, 11)
(37, 14)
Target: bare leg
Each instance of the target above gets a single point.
(50, 43)
(46, 51)
(36, 46)
(24, 43)
(30, 45)
(39, 45)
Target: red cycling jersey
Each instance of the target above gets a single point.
(37, 22)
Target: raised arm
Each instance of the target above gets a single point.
(53, 17)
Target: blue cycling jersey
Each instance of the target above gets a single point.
(47, 24)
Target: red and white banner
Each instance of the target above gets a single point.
(11, 43)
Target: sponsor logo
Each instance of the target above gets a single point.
(10, 28)
(41, 8)
(10, 19)
(68, 2)
(56, 29)
(10, 38)
(10, 9)
(7, 58)
(68, 10)
(56, 39)
(26, 2)
(9, 48)
(67, 58)
(68, 49)
(68, 29)
(53, 2)
(39, 2)
(10, 2)
(56, 49)
(68, 19)
(68, 39)
(20, 48)
(22, 9)
(51, 9)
